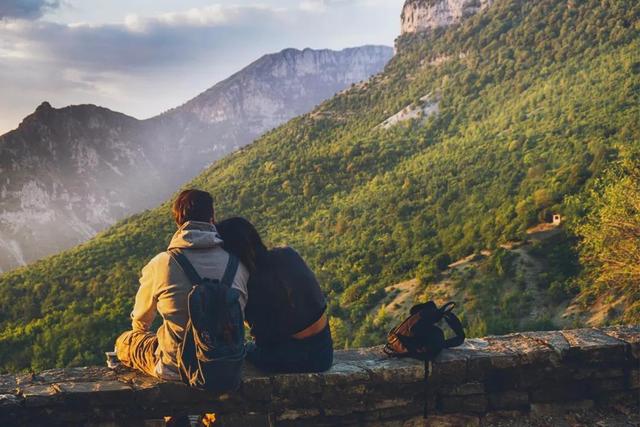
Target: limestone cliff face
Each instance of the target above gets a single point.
(267, 93)
(423, 15)
(66, 174)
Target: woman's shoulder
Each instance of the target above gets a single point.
(284, 251)
(286, 256)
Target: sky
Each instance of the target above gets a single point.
(142, 57)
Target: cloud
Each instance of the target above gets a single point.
(26, 9)
(138, 43)
(145, 64)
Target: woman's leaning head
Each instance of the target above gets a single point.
(243, 240)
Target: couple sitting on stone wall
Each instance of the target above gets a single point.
(278, 295)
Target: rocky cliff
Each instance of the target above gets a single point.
(66, 174)
(423, 15)
(267, 93)
(62, 176)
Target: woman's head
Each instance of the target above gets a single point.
(242, 239)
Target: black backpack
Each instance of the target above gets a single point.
(420, 337)
(212, 351)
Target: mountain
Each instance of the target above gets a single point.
(517, 113)
(66, 174)
(262, 96)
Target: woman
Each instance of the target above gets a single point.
(286, 307)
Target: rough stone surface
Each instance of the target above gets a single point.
(507, 380)
(629, 334)
(594, 345)
(423, 15)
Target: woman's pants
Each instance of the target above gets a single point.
(313, 354)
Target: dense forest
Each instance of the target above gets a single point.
(538, 107)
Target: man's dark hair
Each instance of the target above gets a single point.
(193, 205)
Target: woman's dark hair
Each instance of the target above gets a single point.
(242, 239)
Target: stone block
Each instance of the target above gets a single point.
(257, 388)
(523, 349)
(560, 392)
(596, 373)
(504, 418)
(358, 398)
(411, 422)
(628, 334)
(503, 380)
(385, 370)
(395, 411)
(10, 401)
(91, 393)
(465, 389)
(540, 376)
(178, 394)
(592, 345)
(293, 385)
(80, 374)
(245, 420)
(488, 356)
(453, 420)
(628, 398)
(24, 380)
(450, 367)
(604, 386)
(8, 384)
(634, 379)
(101, 387)
(509, 400)
(136, 380)
(554, 340)
(38, 395)
(345, 373)
(550, 409)
(476, 404)
(297, 414)
(353, 419)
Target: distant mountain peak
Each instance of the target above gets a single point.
(45, 106)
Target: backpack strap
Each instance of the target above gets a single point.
(182, 260)
(188, 268)
(448, 307)
(230, 271)
(456, 326)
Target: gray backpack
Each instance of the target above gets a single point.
(212, 352)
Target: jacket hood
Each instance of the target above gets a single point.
(196, 235)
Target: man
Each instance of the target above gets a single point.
(164, 288)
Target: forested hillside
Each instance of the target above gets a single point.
(527, 109)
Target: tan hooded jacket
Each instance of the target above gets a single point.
(164, 288)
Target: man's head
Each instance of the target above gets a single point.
(193, 205)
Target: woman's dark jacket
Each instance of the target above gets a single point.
(284, 297)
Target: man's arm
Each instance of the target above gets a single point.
(240, 283)
(144, 310)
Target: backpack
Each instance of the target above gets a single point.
(420, 337)
(212, 351)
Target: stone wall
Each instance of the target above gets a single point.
(487, 381)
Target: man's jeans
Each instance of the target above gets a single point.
(313, 354)
(137, 350)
